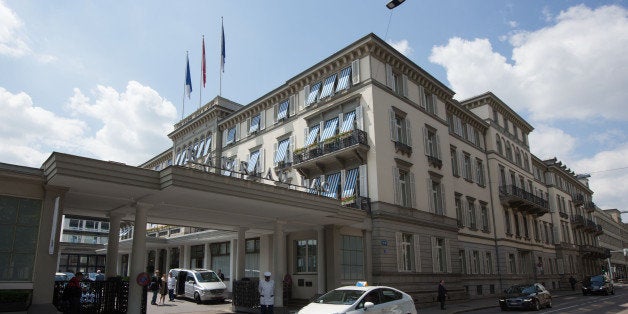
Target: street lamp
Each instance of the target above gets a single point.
(394, 3)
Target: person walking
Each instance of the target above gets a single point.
(171, 283)
(72, 294)
(155, 283)
(163, 289)
(267, 294)
(442, 294)
(572, 282)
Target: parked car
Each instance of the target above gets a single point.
(531, 296)
(199, 284)
(61, 277)
(597, 285)
(360, 299)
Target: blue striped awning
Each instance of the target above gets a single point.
(252, 161)
(254, 124)
(283, 110)
(183, 158)
(199, 149)
(311, 137)
(231, 135)
(328, 88)
(311, 98)
(208, 145)
(350, 181)
(282, 149)
(347, 124)
(331, 185)
(330, 128)
(343, 81)
(227, 166)
(312, 189)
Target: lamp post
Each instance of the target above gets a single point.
(394, 3)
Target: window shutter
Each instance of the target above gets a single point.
(396, 187)
(246, 127)
(422, 97)
(359, 118)
(262, 120)
(355, 72)
(412, 188)
(426, 146)
(448, 255)
(408, 133)
(404, 81)
(434, 256)
(275, 154)
(482, 262)
(428, 183)
(435, 103)
(224, 138)
(473, 174)
(275, 108)
(467, 255)
(460, 162)
(465, 212)
(443, 199)
(417, 252)
(389, 77)
(438, 152)
(291, 148)
(398, 239)
(292, 104)
(393, 128)
(306, 95)
(364, 190)
(238, 126)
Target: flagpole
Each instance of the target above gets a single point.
(185, 73)
(200, 81)
(222, 55)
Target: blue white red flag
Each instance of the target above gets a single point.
(188, 78)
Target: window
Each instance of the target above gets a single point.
(331, 186)
(495, 117)
(349, 190)
(348, 123)
(252, 166)
(312, 135)
(306, 256)
(231, 135)
(431, 143)
(430, 103)
(400, 129)
(282, 110)
(467, 173)
(330, 129)
(488, 269)
(406, 255)
(508, 151)
(197, 253)
(518, 157)
(476, 262)
(281, 154)
(19, 226)
(328, 88)
(517, 229)
(512, 264)
(471, 213)
(436, 197)
(440, 255)
(484, 217)
(463, 261)
(312, 95)
(352, 257)
(454, 162)
(255, 124)
(220, 257)
(104, 226)
(74, 223)
(507, 221)
(344, 81)
(459, 213)
(498, 143)
(526, 232)
(228, 165)
(404, 187)
(479, 172)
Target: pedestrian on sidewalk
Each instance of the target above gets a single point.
(266, 294)
(572, 282)
(442, 294)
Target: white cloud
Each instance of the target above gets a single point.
(578, 64)
(12, 39)
(513, 24)
(402, 46)
(131, 127)
(547, 142)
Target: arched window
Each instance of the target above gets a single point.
(498, 142)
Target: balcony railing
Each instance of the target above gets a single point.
(578, 199)
(589, 207)
(403, 148)
(345, 140)
(578, 221)
(591, 251)
(435, 161)
(523, 200)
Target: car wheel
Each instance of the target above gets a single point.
(613, 291)
(584, 293)
(549, 303)
(605, 292)
(536, 305)
(197, 298)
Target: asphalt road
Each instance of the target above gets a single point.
(598, 304)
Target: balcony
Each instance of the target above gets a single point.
(578, 221)
(598, 230)
(359, 202)
(563, 215)
(589, 207)
(578, 199)
(596, 252)
(335, 151)
(522, 200)
(434, 162)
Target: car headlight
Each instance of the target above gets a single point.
(527, 300)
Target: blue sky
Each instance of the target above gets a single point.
(104, 79)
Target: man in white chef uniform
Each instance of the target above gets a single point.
(267, 294)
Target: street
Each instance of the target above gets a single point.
(188, 306)
(617, 303)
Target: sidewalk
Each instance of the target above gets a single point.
(479, 304)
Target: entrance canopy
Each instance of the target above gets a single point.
(188, 197)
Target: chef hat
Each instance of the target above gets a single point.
(267, 274)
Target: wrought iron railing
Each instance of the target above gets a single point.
(341, 141)
(110, 296)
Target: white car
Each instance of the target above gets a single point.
(359, 299)
(200, 284)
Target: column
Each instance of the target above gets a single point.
(157, 262)
(207, 258)
(181, 256)
(368, 256)
(138, 261)
(113, 245)
(320, 260)
(241, 253)
(168, 259)
(233, 259)
(279, 261)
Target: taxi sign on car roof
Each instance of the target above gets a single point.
(361, 284)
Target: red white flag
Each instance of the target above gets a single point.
(203, 64)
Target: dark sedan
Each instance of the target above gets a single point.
(532, 296)
(597, 285)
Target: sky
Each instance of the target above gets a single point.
(105, 79)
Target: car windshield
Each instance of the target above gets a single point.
(207, 276)
(341, 297)
(522, 289)
(597, 279)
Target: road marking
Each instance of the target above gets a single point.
(580, 305)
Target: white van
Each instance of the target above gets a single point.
(199, 284)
